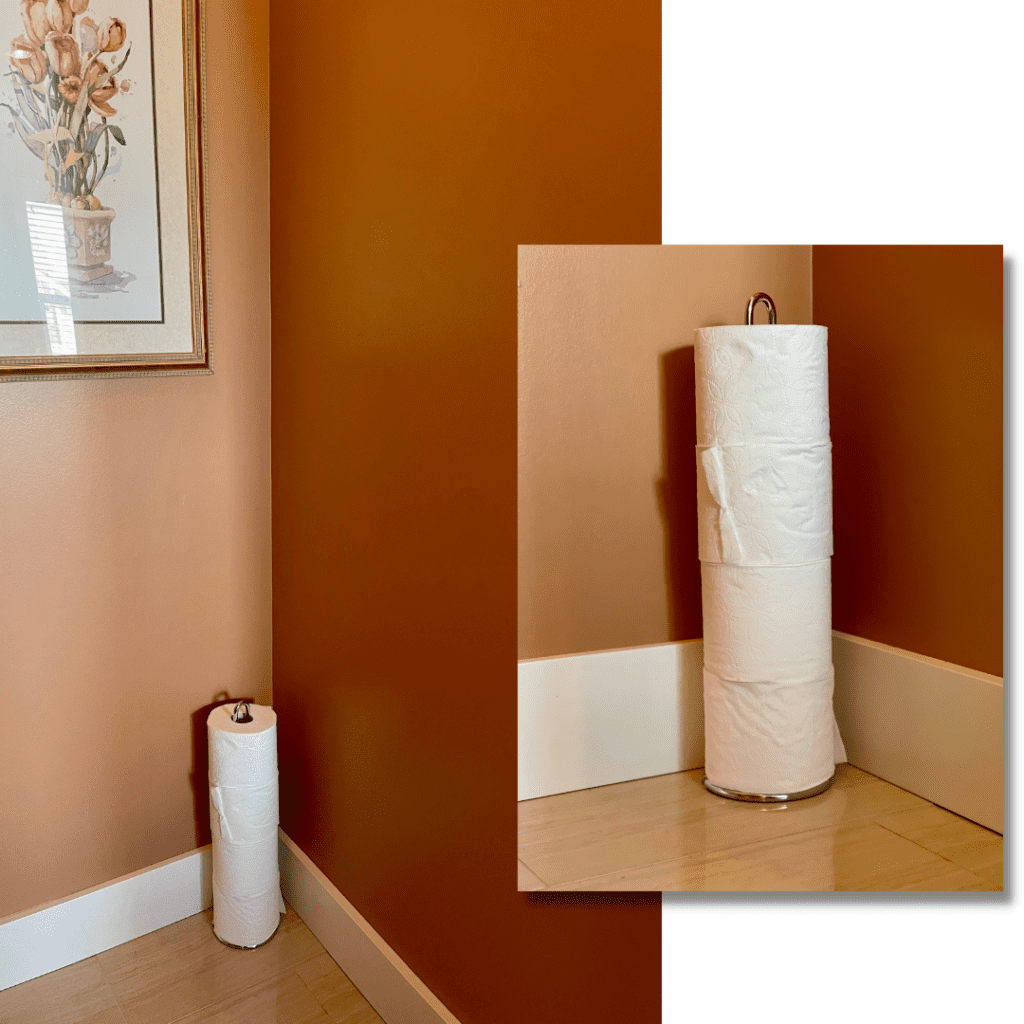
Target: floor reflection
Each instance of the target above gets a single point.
(669, 833)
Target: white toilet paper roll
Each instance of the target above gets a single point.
(248, 916)
(767, 624)
(762, 385)
(244, 821)
(769, 738)
(245, 754)
(241, 869)
(764, 504)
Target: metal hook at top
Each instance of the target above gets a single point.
(241, 717)
(754, 300)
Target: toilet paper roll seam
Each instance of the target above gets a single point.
(251, 842)
(765, 565)
(826, 443)
(264, 785)
(775, 684)
(249, 898)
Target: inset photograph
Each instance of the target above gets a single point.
(760, 589)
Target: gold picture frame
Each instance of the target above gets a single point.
(107, 272)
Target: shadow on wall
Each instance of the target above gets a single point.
(677, 491)
(200, 774)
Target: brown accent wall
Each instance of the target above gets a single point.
(442, 138)
(915, 339)
(135, 550)
(607, 475)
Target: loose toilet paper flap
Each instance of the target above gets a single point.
(729, 543)
(244, 815)
(764, 504)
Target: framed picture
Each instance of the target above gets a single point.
(103, 249)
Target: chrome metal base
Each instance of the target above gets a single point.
(768, 798)
(258, 944)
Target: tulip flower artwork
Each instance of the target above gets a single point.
(64, 69)
(103, 189)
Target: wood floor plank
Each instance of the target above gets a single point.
(77, 994)
(316, 967)
(342, 1001)
(175, 971)
(671, 818)
(282, 1000)
(182, 974)
(947, 834)
(860, 856)
(528, 881)
(957, 880)
(112, 1015)
(993, 875)
(670, 833)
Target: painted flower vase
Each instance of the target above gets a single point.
(87, 233)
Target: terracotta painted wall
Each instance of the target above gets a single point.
(451, 135)
(607, 476)
(135, 540)
(916, 403)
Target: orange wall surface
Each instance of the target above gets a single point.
(607, 428)
(441, 139)
(135, 534)
(915, 340)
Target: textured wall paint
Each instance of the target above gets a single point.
(915, 337)
(135, 551)
(607, 477)
(444, 137)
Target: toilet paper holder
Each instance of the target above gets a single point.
(754, 300)
(241, 717)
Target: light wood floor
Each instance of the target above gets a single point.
(669, 833)
(182, 974)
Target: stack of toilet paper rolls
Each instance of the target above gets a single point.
(247, 900)
(764, 515)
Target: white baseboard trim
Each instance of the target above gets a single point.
(379, 973)
(609, 716)
(54, 935)
(925, 725)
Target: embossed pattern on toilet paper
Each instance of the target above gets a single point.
(764, 504)
(768, 738)
(762, 385)
(770, 624)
